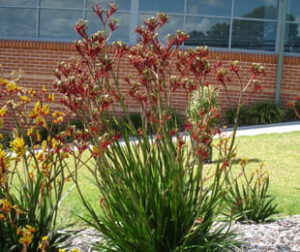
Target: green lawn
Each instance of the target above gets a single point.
(279, 152)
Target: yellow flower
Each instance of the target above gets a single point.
(243, 162)
(40, 121)
(25, 99)
(75, 250)
(54, 143)
(19, 229)
(26, 237)
(6, 206)
(65, 155)
(4, 163)
(11, 86)
(3, 111)
(61, 250)
(44, 145)
(51, 97)
(31, 92)
(44, 89)
(95, 150)
(38, 136)
(30, 228)
(3, 82)
(1, 123)
(30, 132)
(18, 146)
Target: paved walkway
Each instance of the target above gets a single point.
(267, 129)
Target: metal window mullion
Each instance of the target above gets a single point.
(84, 10)
(37, 31)
(280, 9)
(184, 15)
(231, 24)
(133, 21)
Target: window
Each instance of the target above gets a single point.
(292, 35)
(254, 24)
(223, 24)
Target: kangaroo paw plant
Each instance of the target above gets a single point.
(153, 196)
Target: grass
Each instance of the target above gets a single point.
(279, 153)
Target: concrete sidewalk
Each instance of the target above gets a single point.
(266, 129)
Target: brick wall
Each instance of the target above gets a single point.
(39, 59)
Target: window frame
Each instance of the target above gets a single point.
(133, 22)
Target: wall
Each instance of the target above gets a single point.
(39, 59)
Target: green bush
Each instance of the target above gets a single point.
(248, 197)
(257, 113)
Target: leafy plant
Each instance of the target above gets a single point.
(249, 200)
(257, 113)
(265, 112)
(153, 195)
(32, 176)
(202, 105)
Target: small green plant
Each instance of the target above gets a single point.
(248, 197)
(203, 105)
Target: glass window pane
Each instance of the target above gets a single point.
(265, 9)
(292, 38)
(121, 4)
(256, 35)
(209, 7)
(293, 10)
(121, 33)
(17, 22)
(174, 24)
(162, 6)
(58, 23)
(27, 3)
(62, 3)
(207, 31)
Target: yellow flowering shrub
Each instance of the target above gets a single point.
(35, 164)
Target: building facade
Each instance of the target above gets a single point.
(36, 34)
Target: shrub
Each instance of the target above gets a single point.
(32, 176)
(154, 196)
(248, 198)
(257, 113)
(203, 105)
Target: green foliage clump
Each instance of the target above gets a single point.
(248, 198)
(257, 113)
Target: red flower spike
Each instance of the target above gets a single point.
(188, 126)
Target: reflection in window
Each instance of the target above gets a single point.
(121, 4)
(58, 23)
(20, 3)
(264, 9)
(167, 6)
(209, 7)
(255, 35)
(174, 24)
(121, 33)
(293, 10)
(62, 3)
(292, 38)
(207, 31)
(17, 22)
